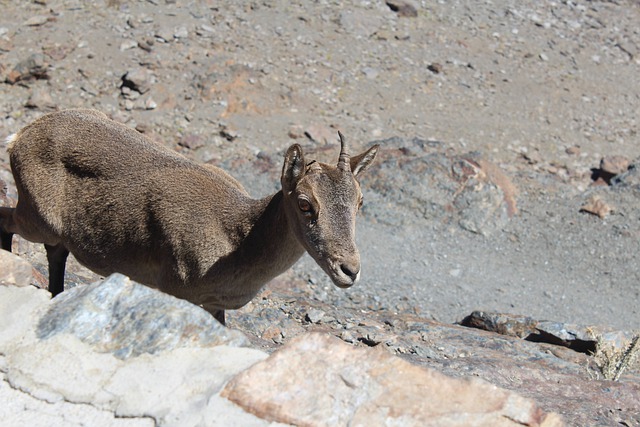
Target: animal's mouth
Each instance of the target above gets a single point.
(343, 277)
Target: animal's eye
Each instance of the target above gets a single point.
(305, 205)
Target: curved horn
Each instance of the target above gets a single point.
(343, 160)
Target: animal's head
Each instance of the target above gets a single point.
(321, 204)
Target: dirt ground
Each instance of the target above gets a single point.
(543, 90)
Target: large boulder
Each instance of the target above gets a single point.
(127, 319)
(318, 380)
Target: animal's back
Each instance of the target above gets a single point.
(84, 143)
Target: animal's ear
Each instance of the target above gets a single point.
(361, 162)
(293, 169)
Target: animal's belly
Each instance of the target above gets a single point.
(141, 271)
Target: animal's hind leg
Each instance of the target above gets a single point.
(6, 236)
(57, 257)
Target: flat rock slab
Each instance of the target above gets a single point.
(584, 339)
(317, 380)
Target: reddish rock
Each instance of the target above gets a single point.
(614, 165)
(597, 206)
(556, 377)
(317, 380)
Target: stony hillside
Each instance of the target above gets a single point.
(507, 180)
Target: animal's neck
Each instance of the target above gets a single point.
(267, 247)
(271, 240)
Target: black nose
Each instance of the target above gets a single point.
(350, 271)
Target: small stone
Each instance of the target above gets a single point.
(207, 28)
(41, 99)
(228, 133)
(321, 134)
(32, 67)
(150, 104)
(370, 73)
(544, 57)
(128, 44)
(596, 206)
(181, 33)
(402, 8)
(90, 89)
(145, 45)
(296, 132)
(614, 165)
(139, 79)
(574, 150)
(36, 21)
(435, 68)
(164, 35)
(191, 141)
(314, 315)
(57, 52)
(273, 333)
(143, 127)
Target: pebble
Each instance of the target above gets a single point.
(34, 66)
(296, 132)
(36, 21)
(150, 104)
(138, 79)
(181, 33)
(40, 99)
(314, 315)
(128, 44)
(614, 164)
(403, 8)
(370, 73)
(574, 150)
(435, 68)
(164, 35)
(597, 206)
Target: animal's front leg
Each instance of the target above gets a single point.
(5, 240)
(219, 316)
(57, 257)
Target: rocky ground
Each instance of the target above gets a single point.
(507, 180)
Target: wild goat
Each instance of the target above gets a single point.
(122, 203)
